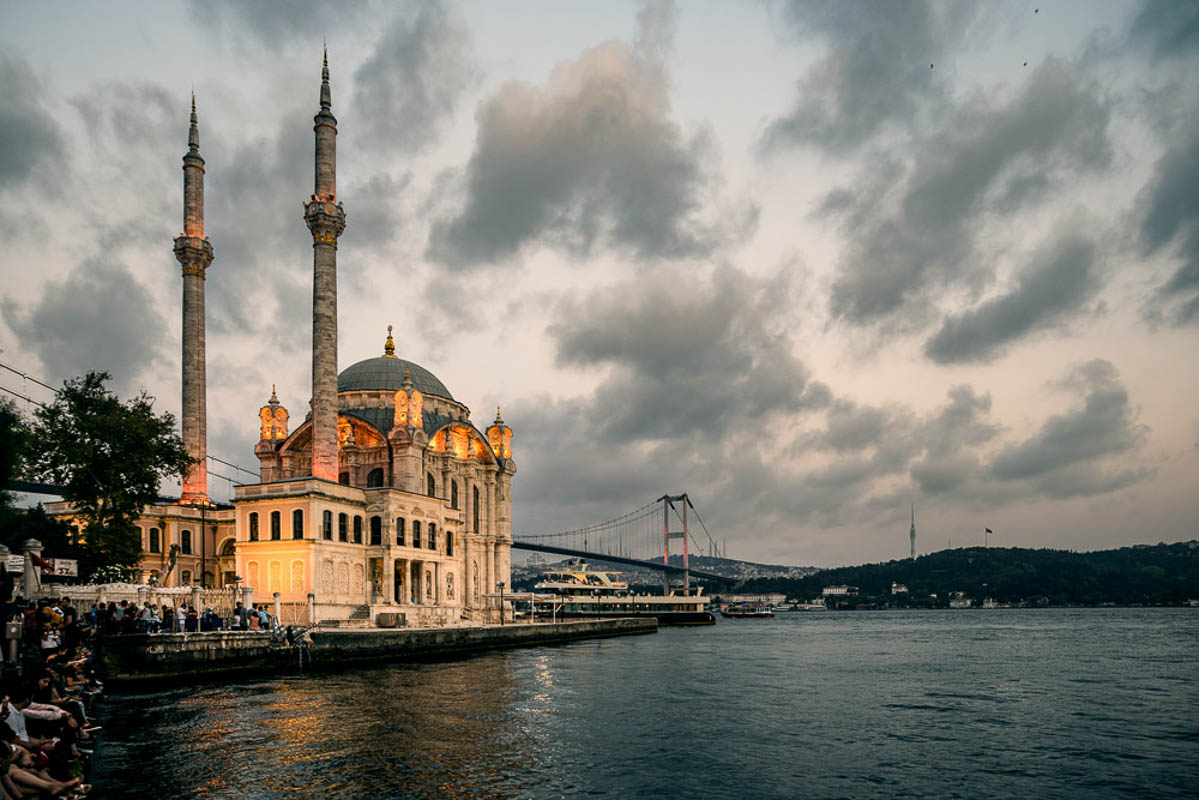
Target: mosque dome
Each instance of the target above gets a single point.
(387, 373)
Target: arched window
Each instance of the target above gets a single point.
(185, 542)
(343, 528)
(432, 536)
(253, 526)
(453, 494)
(449, 543)
(276, 526)
(185, 577)
(416, 533)
(228, 548)
(357, 529)
(431, 484)
(297, 524)
(400, 531)
(327, 525)
(155, 543)
(474, 507)
(374, 478)
(376, 530)
(343, 478)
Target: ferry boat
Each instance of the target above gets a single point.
(586, 592)
(746, 611)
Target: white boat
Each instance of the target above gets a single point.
(587, 592)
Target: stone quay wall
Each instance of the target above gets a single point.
(130, 661)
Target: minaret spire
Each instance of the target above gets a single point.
(194, 254)
(326, 220)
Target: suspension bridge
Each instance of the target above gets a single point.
(640, 538)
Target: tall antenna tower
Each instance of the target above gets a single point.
(912, 533)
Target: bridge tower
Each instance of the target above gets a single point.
(668, 502)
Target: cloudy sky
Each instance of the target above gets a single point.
(808, 261)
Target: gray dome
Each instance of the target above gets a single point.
(387, 373)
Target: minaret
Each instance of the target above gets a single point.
(326, 220)
(912, 533)
(194, 254)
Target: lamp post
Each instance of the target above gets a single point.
(500, 585)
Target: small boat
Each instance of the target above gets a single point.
(744, 611)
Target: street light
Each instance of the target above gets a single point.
(500, 585)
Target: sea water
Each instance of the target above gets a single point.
(1053, 703)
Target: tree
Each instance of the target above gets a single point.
(14, 447)
(109, 458)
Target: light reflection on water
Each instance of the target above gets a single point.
(1054, 703)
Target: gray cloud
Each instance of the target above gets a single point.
(876, 72)
(687, 354)
(411, 83)
(31, 136)
(917, 235)
(1104, 425)
(1167, 29)
(1060, 279)
(593, 159)
(277, 23)
(99, 317)
(1169, 218)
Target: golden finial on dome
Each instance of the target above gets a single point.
(499, 420)
(389, 349)
(274, 397)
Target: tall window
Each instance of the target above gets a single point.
(185, 542)
(297, 524)
(155, 543)
(416, 533)
(431, 484)
(253, 526)
(400, 531)
(357, 529)
(343, 528)
(474, 507)
(449, 543)
(374, 478)
(343, 478)
(453, 494)
(432, 536)
(327, 525)
(376, 530)
(276, 526)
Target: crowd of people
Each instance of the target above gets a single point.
(128, 617)
(48, 691)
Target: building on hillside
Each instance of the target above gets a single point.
(838, 591)
(386, 498)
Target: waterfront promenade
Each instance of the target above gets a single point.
(164, 658)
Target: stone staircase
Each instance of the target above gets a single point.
(360, 617)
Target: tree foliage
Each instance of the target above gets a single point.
(14, 447)
(108, 457)
(1142, 574)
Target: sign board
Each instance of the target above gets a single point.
(63, 568)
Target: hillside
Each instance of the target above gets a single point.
(1145, 574)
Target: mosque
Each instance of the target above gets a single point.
(386, 499)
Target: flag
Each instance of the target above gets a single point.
(989, 530)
